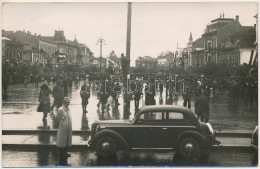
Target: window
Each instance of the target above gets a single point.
(209, 58)
(173, 115)
(178, 117)
(152, 116)
(209, 44)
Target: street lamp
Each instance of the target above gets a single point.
(100, 41)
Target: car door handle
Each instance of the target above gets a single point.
(164, 128)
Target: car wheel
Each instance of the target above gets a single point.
(189, 148)
(106, 146)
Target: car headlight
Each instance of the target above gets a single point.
(94, 127)
(98, 127)
(254, 135)
(210, 128)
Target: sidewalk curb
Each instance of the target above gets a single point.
(41, 131)
(78, 147)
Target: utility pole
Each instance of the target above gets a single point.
(177, 45)
(100, 41)
(128, 40)
(127, 62)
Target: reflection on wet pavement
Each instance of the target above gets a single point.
(22, 104)
(86, 158)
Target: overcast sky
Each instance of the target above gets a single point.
(156, 27)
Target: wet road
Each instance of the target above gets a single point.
(22, 104)
(86, 158)
(19, 112)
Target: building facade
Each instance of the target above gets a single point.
(146, 62)
(224, 40)
(87, 55)
(37, 49)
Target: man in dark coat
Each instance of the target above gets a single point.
(116, 91)
(202, 108)
(44, 100)
(58, 94)
(187, 97)
(137, 96)
(65, 85)
(84, 94)
(150, 93)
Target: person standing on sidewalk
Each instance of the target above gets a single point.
(187, 97)
(36, 80)
(44, 100)
(202, 108)
(64, 133)
(84, 94)
(137, 97)
(58, 94)
(65, 85)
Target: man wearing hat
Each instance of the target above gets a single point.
(64, 134)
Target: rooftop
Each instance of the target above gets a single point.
(222, 20)
(199, 43)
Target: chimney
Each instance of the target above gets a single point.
(35, 34)
(237, 18)
(255, 26)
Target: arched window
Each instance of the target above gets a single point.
(209, 58)
(209, 45)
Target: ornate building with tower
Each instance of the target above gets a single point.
(224, 40)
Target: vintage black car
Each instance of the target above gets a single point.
(158, 126)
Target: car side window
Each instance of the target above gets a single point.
(154, 116)
(177, 117)
(151, 116)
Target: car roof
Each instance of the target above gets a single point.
(167, 108)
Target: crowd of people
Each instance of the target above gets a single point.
(108, 89)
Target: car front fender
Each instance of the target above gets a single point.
(122, 143)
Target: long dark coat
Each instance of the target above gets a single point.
(58, 94)
(84, 94)
(44, 99)
(202, 107)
